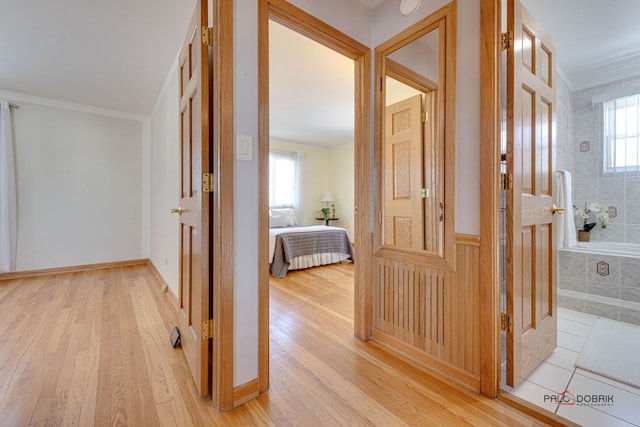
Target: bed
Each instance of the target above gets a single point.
(293, 247)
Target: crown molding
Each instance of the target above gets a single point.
(603, 72)
(48, 102)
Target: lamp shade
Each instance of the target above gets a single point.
(328, 197)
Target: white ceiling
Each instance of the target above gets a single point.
(111, 54)
(371, 4)
(311, 90)
(116, 55)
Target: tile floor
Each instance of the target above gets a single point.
(557, 374)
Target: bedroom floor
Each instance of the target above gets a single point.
(557, 373)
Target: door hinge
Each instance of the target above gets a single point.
(207, 36)
(207, 329)
(207, 183)
(506, 40)
(505, 322)
(424, 193)
(506, 181)
(425, 117)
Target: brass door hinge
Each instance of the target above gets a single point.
(505, 322)
(207, 329)
(506, 181)
(425, 117)
(207, 183)
(207, 36)
(506, 40)
(424, 193)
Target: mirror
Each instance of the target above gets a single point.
(416, 73)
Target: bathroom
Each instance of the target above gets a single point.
(598, 280)
(601, 277)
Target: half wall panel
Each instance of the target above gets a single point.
(431, 315)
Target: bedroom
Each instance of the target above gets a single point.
(311, 131)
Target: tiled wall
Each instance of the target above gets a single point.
(564, 126)
(603, 285)
(590, 184)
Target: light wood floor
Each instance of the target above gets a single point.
(92, 348)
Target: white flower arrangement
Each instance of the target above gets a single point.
(599, 211)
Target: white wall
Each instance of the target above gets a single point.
(342, 185)
(79, 188)
(165, 182)
(246, 189)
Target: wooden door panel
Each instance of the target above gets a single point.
(401, 158)
(531, 266)
(545, 115)
(545, 297)
(195, 281)
(404, 208)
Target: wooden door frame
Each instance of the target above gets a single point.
(490, 121)
(306, 24)
(222, 269)
(490, 75)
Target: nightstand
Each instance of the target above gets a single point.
(326, 221)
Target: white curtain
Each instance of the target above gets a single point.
(8, 202)
(285, 181)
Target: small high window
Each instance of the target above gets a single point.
(621, 134)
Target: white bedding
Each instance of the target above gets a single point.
(273, 232)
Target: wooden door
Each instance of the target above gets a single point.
(195, 142)
(531, 256)
(403, 171)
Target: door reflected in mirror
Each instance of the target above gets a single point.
(416, 80)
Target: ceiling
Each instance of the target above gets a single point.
(311, 90)
(117, 54)
(110, 54)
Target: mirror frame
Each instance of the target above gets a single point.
(445, 20)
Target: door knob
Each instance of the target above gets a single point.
(555, 210)
(179, 210)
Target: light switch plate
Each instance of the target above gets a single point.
(244, 147)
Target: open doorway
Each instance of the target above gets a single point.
(349, 159)
(311, 175)
(311, 133)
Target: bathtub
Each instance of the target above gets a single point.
(601, 278)
(608, 248)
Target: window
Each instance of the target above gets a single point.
(284, 180)
(621, 134)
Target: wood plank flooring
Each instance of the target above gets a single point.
(92, 348)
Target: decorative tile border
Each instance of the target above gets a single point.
(602, 268)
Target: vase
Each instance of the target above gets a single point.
(583, 236)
